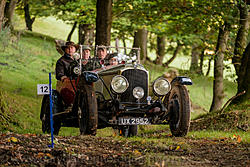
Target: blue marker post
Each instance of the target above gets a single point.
(51, 114)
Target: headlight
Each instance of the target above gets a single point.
(119, 84)
(138, 92)
(161, 86)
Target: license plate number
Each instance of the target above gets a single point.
(134, 121)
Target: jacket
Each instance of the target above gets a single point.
(63, 66)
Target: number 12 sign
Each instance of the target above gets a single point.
(42, 89)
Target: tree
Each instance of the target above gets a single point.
(31, 9)
(200, 71)
(176, 51)
(241, 39)
(218, 93)
(160, 52)
(8, 12)
(2, 6)
(72, 31)
(194, 59)
(244, 77)
(28, 20)
(140, 41)
(103, 22)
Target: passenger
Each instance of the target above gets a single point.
(63, 63)
(103, 59)
(113, 61)
(100, 60)
(86, 59)
(86, 53)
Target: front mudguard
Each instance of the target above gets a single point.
(182, 80)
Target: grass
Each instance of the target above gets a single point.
(160, 135)
(231, 136)
(49, 26)
(26, 62)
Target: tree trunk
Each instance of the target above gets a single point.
(8, 13)
(28, 20)
(124, 45)
(244, 77)
(103, 22)
(2, 6)
(218, 93)
(86, 34)
(177, 49)
(72, 31)
(140, 41)
(209, 66)
(200, 71)
(194, 68)
(160, 52)
(241, 39)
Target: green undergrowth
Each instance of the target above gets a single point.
(25, 61)
(4, 111)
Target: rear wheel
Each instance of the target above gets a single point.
(87, 113)
(45, 117)
(179, 106)
(128, 131)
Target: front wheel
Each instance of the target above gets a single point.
(87, 113)
(179, 107)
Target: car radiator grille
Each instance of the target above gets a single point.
(135, 78)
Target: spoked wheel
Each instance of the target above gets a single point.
(179, 107)
(45, 117)
(128, 131)
(87, 113)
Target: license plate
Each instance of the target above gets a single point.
(134, 121)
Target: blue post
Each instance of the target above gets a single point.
(51, 114)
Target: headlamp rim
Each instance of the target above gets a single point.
(112, 87)
(153, 85)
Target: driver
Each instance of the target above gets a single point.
(63, 63)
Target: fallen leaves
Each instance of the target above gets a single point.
(28, 149)
(13, 139)
(237, 138)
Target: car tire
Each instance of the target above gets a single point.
(87, 111)
(128, 131)
(45, 117)
(179, 107)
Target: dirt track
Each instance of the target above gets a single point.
(28, 149)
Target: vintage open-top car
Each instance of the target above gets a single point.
(118, 96)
